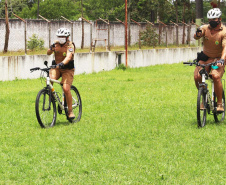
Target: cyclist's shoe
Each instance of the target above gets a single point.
(71, 115)
(220, 107)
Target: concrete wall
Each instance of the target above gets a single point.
(13, 67)
(41, 28)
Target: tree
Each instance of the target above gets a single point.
(199, 9)
(7, 27)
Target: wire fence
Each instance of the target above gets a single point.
(99, 33)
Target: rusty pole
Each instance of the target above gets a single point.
(126, 42)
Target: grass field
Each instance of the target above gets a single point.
(138, 127)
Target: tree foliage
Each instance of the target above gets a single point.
(164, 10)
(149, 37)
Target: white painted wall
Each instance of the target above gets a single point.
(18, 67)
(117, 32)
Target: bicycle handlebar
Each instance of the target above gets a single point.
(43, 69)
(198, 64)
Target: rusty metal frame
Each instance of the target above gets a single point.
(95, 40)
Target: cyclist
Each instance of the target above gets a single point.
(214, 47)
(63, 50)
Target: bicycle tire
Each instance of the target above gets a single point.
(201, 114)
(45, 109)
(76, 105)
(219, 117)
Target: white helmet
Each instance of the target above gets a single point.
(214, 13)
(63, 32)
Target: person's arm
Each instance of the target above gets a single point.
(68, 58)
(223, 56)
(51, 49)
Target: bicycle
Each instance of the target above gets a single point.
(45, 104)
(206, 101)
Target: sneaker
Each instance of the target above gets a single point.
(220, 107)
(71, 115)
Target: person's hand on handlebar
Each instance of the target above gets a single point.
(60, 65)
(220, 62)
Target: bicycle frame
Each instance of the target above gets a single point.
(204, 84)
(210, 100)
(49, 84)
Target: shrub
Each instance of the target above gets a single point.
(149, 37)
(122, 66)
(35, 43)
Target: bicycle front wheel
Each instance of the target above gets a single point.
(45, 109)
(201, 107)
(219, 117)
(76, 105)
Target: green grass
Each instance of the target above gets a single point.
(138, 127)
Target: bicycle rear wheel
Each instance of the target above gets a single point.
(76, 105)
(219, 117)
(201, 107)
(45, 109)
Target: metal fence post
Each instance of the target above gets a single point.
(71, 27)
(139, 32)
(177, 43)
(48, 26)
(166, 32)
(25, 32)
(124, 25)
(91, 32)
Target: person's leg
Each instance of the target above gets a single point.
(218, 88)
(198, 77)
(67, 79)
(67, 92)
(54, 74)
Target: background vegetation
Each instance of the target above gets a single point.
(138, 127)
(139, 10)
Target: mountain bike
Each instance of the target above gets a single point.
(207, 99)
(45, 104)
